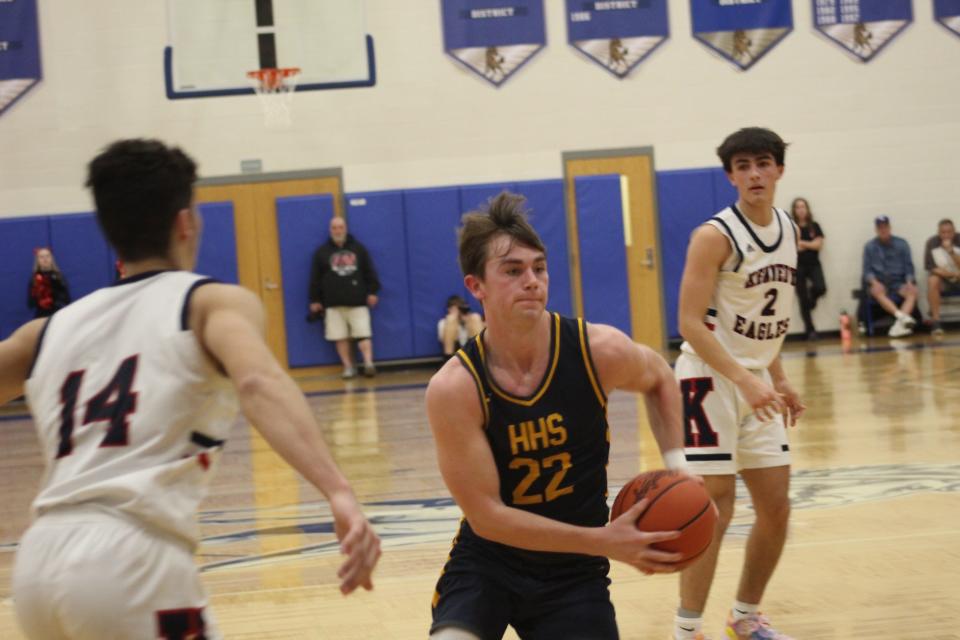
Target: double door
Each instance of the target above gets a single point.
(254, 204)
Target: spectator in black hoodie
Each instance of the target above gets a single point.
(343, 285)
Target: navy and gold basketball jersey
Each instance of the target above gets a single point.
(551, 448)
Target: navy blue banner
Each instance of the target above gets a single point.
(19, 50)
(947, 13)
(493, 39)
(742, 31)
(862, 27)
(617, 34)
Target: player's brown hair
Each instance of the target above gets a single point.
(504, 214)
(751, 140)
(138, 188)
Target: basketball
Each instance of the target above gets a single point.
(677, 503)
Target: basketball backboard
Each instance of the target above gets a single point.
(214, 43)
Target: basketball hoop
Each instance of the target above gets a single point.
(275, 89)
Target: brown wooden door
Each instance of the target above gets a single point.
(258, 247)
(638, 187)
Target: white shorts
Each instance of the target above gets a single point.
(347, 322)
(723, 435)
(86, 575)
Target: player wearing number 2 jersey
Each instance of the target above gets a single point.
(133, 390)
(519, 419)
(735, 301)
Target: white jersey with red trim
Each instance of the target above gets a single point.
(750, 308)
(131, 413)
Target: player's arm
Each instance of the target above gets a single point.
(469, 471)
(794, 406)
(16, 358)
(229, 322)
(708, 250)
(624, 364)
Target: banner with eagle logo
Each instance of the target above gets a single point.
(862, 27)
(19, 50)
(947, 13)
(493, 39)
(617, 34)
(742, 31)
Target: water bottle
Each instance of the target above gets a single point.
(844, 328)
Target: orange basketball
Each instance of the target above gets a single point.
(677, 503)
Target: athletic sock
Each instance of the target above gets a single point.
(742, 610)
(687, 624)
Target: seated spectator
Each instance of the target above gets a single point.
(48, 290)
(888, 268)
(942, 261)
(460, 324)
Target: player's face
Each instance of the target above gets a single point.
(515, 280)
(755, 176)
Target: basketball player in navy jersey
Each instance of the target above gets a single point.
(133, 390)
(519, 419)
(735, 301)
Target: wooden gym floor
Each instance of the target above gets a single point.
(873, 552)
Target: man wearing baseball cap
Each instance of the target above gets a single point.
(887, 270)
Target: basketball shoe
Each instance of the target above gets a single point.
(753, 627)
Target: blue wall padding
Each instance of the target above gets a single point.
(433, 216)
(548, 216)
(377, 221)
(686, 198)
(18, 238)
(303, 224)
(217, 257)
(81, 252)
(603, 255)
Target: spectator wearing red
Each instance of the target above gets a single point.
(48, 291)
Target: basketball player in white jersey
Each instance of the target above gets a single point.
(133, 390)
(735, 301)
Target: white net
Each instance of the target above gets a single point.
(275, 88)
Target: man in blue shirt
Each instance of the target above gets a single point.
(888, 267)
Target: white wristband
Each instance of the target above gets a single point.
(675, 460)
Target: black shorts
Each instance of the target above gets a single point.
(482, 591)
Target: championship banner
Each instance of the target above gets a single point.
(862, 27)
(493, 39)
(947, 13)
(617, 34)
(19, 50)
(742, 31)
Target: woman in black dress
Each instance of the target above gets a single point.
(810, 282)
